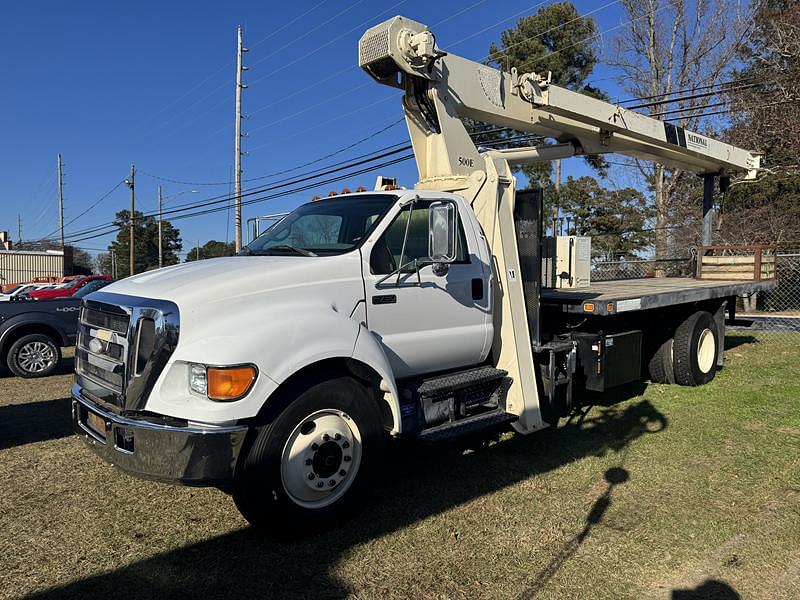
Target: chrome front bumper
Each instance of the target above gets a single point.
(190, 455)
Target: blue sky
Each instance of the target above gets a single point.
(107, 84)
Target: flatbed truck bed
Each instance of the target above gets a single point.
(604, 298)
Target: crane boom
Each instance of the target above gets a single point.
(441, 90)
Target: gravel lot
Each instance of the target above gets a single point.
(659, 491)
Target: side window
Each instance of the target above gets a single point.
(386, 254)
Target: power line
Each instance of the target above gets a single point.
(609, 30)
(103, 197)
(332, 41)
(276, 173)
(690, 97)
(688, 109)
(684, 90)
(559, 26)
(277, 185)
(308, 187)
(296, 39)
(316, 84)
(500, 22)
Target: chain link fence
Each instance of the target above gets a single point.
(774, 312)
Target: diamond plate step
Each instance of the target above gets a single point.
(450, 431)
(460, 380)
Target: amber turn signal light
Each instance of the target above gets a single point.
(230, 383)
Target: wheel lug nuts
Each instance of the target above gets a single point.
(325, 437)
(332, 483)
(346, 458)
(320, 484)
(315, 446)
(337, 437)
(311, 476)
(342, 472)
(345, 444)
(309, 462)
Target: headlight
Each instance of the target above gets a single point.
(198, 381)
(222, 384)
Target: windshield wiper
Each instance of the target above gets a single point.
(245, 251)
(288, 248)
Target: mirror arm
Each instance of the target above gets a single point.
(399, 271)
(405, 239)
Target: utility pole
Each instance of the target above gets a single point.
(19, 228)
(708, 209)
(132, 240)
(160, 248)
(555, 204)
(240, 68)
(113, 264)
(198, 249)
(60, 201)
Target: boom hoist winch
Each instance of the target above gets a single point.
(442, 89)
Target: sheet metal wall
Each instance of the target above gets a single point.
(19, 266)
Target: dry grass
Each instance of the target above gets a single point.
(656, 492)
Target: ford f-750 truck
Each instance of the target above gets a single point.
(279, 373)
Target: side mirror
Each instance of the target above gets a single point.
(442, 227)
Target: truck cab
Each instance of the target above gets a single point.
(344, 285)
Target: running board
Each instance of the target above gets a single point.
(456, 429)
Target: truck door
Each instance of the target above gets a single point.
(427, 322)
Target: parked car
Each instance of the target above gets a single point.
(67, 289)
(33, 333)
(15, 292)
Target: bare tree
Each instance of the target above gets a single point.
(666, 49)
(765, 117)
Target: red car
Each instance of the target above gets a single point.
(67, 289)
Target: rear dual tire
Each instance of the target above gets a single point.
(695, 349)
(689, 357)
(661, 365)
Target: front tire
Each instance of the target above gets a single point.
(34, 355)
(695, 349)
(309, 467)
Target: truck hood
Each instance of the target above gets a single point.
(223, 279)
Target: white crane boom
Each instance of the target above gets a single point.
(442, 89)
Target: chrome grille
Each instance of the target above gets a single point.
(123, 344)
(104, 372)
(105, 319)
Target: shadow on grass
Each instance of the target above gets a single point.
(421, 481)
(736, 340)
(34, 422)
(711, 589)
(67, 365)
(613, 476)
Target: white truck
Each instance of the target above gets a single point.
(280, 373)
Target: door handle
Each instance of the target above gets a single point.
(384, 299)
(477, 289)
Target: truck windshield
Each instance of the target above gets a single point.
(323, 228)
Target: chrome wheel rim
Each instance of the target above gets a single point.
(320, 459)
(706, 350)
(36, 357)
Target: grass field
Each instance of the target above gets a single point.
(658, 491)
